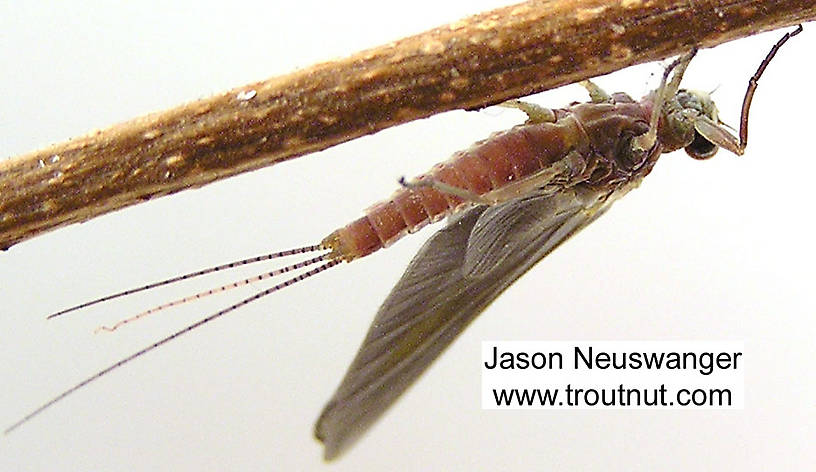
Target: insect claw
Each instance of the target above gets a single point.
(535, 113)
(596, 93)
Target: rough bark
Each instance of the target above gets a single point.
(471, 63)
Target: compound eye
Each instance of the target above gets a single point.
(701, 148)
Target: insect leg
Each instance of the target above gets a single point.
(535, 113)
(752, 85)
(713, 131)
(596, 94)
(667, 89)
(442, 187)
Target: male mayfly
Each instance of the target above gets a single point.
(511, 200)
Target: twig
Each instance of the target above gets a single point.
(472, 63)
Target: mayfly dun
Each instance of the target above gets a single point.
(510, 199)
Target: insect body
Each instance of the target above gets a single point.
(512, 199)
(531, 188)
(568, 148)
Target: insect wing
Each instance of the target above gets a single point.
(436, 298)
(502, 229)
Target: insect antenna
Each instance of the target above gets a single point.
(327, 265)
(210, 270)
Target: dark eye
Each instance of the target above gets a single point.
(701, 148)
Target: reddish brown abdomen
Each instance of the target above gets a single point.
(488, 165)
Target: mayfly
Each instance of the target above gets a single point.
(511, 200)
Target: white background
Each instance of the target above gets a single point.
(720, 250)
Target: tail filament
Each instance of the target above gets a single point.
(213, 291)
(328, 262)
(210, 270)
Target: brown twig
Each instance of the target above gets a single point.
(472, 63)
